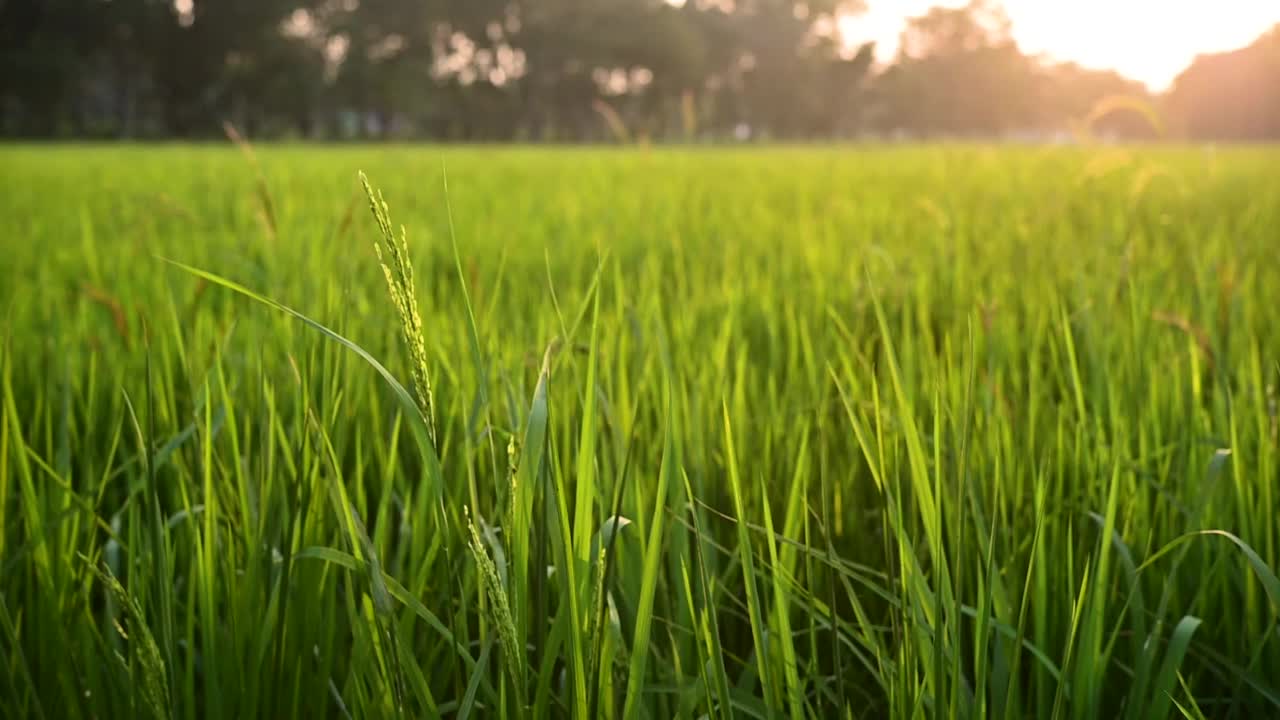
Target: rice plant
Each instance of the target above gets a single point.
(948, 431)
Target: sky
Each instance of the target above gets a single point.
(1148, 40)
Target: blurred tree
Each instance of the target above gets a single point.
(639, 53)
(381, 54)
(789, 68)
(1232, 95)
(553, 69)
(1071, 96)
(44, 46)
(116, 67)
(959, 72)
(203, 56)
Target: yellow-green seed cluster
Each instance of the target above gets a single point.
(398, 270)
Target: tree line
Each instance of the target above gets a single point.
(569, 70)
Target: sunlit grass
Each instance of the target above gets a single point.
(919, 432)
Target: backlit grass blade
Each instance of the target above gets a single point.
(782, 615)
(755, 613)
(1265, 575)
(649, 579)
(1163, 687)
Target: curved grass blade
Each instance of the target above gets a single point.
(417, 422)
(1265, 575)
(1162, 693)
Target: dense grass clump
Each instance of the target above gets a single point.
(935, 432)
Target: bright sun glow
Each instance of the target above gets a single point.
(1148, 40)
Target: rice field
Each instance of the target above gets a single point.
(867, 432)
